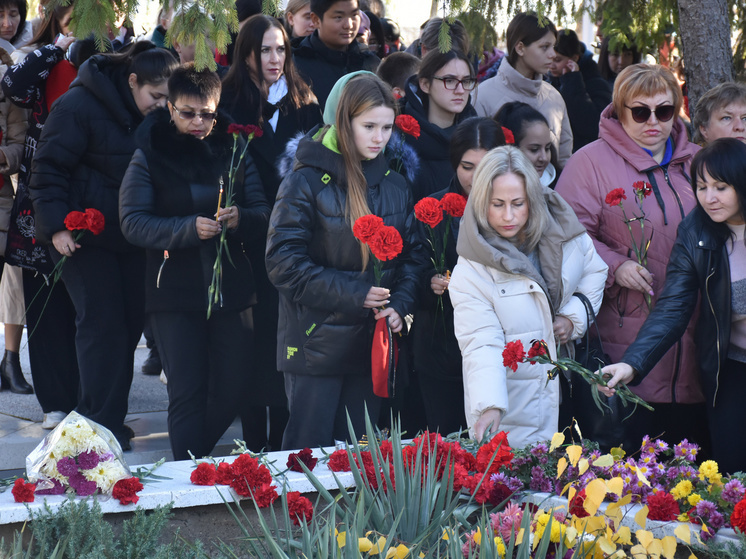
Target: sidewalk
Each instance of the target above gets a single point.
(21, 417)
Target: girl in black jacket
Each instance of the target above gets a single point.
(708, 259)
(84, 150)
(328, 300)
(168, 201)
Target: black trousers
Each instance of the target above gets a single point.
(208, 364)
(319, 406)
(51, 344)
(107, 289)
(727, 420)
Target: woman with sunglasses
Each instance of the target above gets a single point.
(438, 98)
(641, 139)
(169, 205)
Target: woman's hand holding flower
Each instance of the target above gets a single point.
(616, 373)
(376, 297)
(439, 284)
(633, 276)
(207, 228)
(490, 419)
(64, 242)
(229, 216)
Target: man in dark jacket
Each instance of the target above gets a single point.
(332, 51)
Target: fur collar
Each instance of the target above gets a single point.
(185, 156)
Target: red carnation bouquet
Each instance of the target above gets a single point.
(614, 198)
(430, 212)
(214, 292)
(514, 354)
(384, 241)
(91, 220)
(408, 125)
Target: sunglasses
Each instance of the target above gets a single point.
(663, 113)
(191, 115)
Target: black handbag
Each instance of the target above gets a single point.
(577, 401)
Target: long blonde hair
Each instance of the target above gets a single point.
(360, 94)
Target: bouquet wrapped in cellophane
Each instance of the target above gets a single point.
(78, 457)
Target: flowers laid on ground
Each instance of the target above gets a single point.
(214, 292)
(513, 354)
(614, 198)
(384, 241)
(246, 475)
(80, 457)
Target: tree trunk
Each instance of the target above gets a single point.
(433, 9)
(705, 36)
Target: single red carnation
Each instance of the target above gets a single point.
(305, 456)
(299, 507)
(453, 204)
(23, 492)
(408, 124)
(509, 138)
(125, 490)
(497, 447)
(95, 220)
(538, 348)
(265, 495)
(643, 188)
(513, 354)
(738, 517)
(576, 505)
(234, 128)
(76, 220)
(225, 474)
(615, 197)
(662, 506)
(366, 226)
(429, 211)
(255, 130)
(339, 461)
(387, 243)
(204, 474)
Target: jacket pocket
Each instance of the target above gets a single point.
(334, 347)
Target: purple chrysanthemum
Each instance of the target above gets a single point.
(67, 466)
(717, 520)
(704, 509)
(686, 450)
(733, 491)
(56, 489)
(82, 486)
(88, 460)
(515, 484)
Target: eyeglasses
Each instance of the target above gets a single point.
(191, 115)
(452, 83)
(663, 113)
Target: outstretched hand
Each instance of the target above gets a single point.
(619, 373)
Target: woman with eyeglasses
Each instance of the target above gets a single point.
(169, 204)
(520, 77)
(438, 98)
(641, 139)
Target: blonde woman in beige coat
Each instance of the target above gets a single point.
(522, 255)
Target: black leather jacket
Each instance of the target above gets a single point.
(699, 264)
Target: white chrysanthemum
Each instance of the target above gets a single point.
(49, 469)
(78, 435)
(106, 474)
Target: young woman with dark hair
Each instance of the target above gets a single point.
(611, 62)
(265, 90)
(83, 153)
(329, 300)
(438, 98)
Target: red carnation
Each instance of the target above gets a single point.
(408, 124)
(249, 475)
(429, 211)
(125, 490)
(265, 495)
(453, 204)
(366, 226)
(299, 507)
(576, 505)
(509, 138)
(76, 220)
(305, 456)
(642, 188)
(615, 197)
(538, 348)
(95, 220)
(662, 506)
(23, 492)
(738, 518)
(339, 461)
(225, 474)
(205, 474)
(247, 129)
(386, 244)
(497, 447)
(513, 354)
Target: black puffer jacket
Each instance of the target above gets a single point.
(434, 144)
(698, 264)
(174, 178)
(84, 150)
(314, 261)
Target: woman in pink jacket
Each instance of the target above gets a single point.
(641, 139)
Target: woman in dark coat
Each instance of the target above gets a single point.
(266, 91)
(168, 204)
(83, 153)
(329, 300)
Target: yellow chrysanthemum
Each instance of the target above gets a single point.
(707, 469)
(683, 489)
(693, 499)
(558, 532)
(500, 545)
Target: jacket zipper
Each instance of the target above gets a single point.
(717, 332)
(676, 194)
(160, 270)
(677, 371)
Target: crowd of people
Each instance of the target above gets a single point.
(281, 334)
